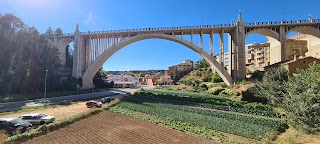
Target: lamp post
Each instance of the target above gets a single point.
(45, 84)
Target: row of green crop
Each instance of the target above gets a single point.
(169, 122)
(207, 105)
(256, 128)
(210, 99)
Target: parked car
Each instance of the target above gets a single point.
(37, 118)
(93, 103)
(106, 100)
(12, 124)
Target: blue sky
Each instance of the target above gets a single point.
(122, 14)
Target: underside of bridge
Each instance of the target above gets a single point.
(93, 49)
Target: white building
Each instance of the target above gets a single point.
(124, 81)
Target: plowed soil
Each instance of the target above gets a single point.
(109, 127)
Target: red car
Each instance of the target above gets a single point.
(93, 103)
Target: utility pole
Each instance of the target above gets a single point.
(45, 84)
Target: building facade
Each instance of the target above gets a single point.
(186, 65)
(124, 81)
(297, 63)
(257, 56)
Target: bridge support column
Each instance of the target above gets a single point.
(240, 65)
(87, 85)
(201, 41)
(221, 55)
(211, 43)
(79, 55)
(282, 44)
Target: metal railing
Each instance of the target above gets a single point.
(190, 27)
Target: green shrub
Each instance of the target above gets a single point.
(302, 100)
(216, 79)
(272, 86)
(215, 90)
(228, 92)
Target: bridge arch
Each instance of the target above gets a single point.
(308, 30)
(274, 40)
(62, 45)
(92, 69)
(270, 34)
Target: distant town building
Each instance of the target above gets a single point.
(124, 81)
(297, 63)
(225, 59)
(257, 56)
(165, 79)
(186, 65)
(148, 81)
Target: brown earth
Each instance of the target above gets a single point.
(109, 127)
(59, 112)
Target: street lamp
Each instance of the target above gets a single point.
(45, 84)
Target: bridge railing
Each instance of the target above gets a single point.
(190, 27)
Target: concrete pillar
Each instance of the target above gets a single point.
(77, 59)
(88, 52)
(230, 54)
(172, 33)
(92, 49)
(96, 48)
(182, 34)
(191, 35)
(108, 43)
(201, 45)
(240, 49)
(211, 43)
(221, 55)
(282, 43)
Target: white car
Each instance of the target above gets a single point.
(37, 118)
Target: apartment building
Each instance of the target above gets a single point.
(257, 56)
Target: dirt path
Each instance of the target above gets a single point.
(109, 127)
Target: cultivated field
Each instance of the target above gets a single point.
(109, 127)
(208, 116)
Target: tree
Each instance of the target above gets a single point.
(147, 75)
(99, 80)
(58, 31)
(302, 99)
(49, 31)
(175, 75)
(69, 56)
(202, 63)
(271, 86)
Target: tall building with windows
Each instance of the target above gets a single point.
(257, 56)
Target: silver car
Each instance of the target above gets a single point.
(37, 118)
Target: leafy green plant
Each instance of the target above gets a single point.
(251, 127)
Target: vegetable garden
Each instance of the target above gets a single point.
(175, 107)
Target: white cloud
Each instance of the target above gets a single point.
(89, 18)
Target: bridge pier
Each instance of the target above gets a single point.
(87, 85)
